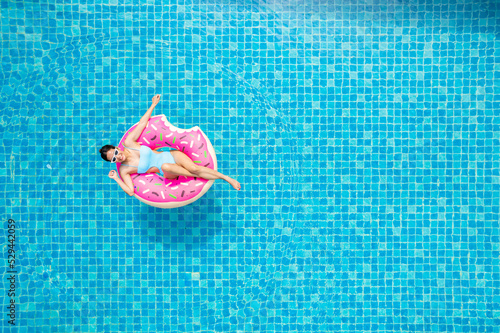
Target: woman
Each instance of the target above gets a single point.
(141, 159)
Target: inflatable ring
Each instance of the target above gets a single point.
(154, 190)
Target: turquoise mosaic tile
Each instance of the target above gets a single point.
(365, 133)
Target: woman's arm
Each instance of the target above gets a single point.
(127, 186)
(134, 135)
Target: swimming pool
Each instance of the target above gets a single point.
(365, 135)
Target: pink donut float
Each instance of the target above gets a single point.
(157, 191)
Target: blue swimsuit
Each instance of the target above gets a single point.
(148, 159)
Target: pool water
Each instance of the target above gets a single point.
(365, 134)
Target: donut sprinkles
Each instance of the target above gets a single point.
(157, 191)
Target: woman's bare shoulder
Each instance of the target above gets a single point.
(127, 170)
(131, 144)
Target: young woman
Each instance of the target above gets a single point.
(141, 159)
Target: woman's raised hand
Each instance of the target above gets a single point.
(156, 99)
(113, 174)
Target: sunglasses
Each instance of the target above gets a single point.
(113, 160)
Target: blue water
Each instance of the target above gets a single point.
(366, 136)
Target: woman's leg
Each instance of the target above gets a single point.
(176, 170)
(185, 162)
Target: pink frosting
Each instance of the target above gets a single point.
(151, 187)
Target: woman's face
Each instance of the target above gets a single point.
(120, 156)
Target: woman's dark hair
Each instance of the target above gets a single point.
(104, 150)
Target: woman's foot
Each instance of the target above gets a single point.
(234, 183)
